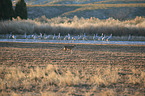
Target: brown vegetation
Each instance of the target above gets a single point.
(75, 26)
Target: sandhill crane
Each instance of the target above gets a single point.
(67, 37)
(40, 36)
(76, 37)
(25, 36)
(47, 37)
(59, 38)
(29, 36)
(33, 36)
(129, 37)
(12, 36)
(85, 37)
(109, 37)
(100, 37)
(104, 37)
(97, 36)
(54, 37)
(94, 37)
(80, 37)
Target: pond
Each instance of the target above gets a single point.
(74, 41)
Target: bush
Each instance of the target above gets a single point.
(65, 25)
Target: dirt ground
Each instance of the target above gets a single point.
(12, 54)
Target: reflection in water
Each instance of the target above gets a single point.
(75, 41)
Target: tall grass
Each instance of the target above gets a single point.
(74, 26)
(52, 80)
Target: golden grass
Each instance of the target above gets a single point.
(105, 76)
(43, 80)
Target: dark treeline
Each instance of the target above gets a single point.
(7, 12)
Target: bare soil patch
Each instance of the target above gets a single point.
(46, 53)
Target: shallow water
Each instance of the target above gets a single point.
(75, 41)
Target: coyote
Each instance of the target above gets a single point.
(69, 47)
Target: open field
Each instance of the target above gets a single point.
(46, 69)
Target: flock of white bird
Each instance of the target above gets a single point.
(103, 37)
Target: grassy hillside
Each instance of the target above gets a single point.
(48, 2)
(101, 11)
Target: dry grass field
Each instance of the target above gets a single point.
(45, 69)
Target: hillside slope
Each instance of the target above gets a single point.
(47, 2)
(102, 9)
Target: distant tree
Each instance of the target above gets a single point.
(6, 10)
(21, 9)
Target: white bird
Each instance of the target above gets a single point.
(12, 36)
(97, 36)
(94, 37)
(100, 37)
(69, 36)
(76, 37)
(109, 37)
(59, 37)
(65, 37)
(85, 37)
(54, 37)
(40, 36)
(103, 38)
(129, 37)
(33, 36)
(80, 37)
(46, 37)
(25, 36)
